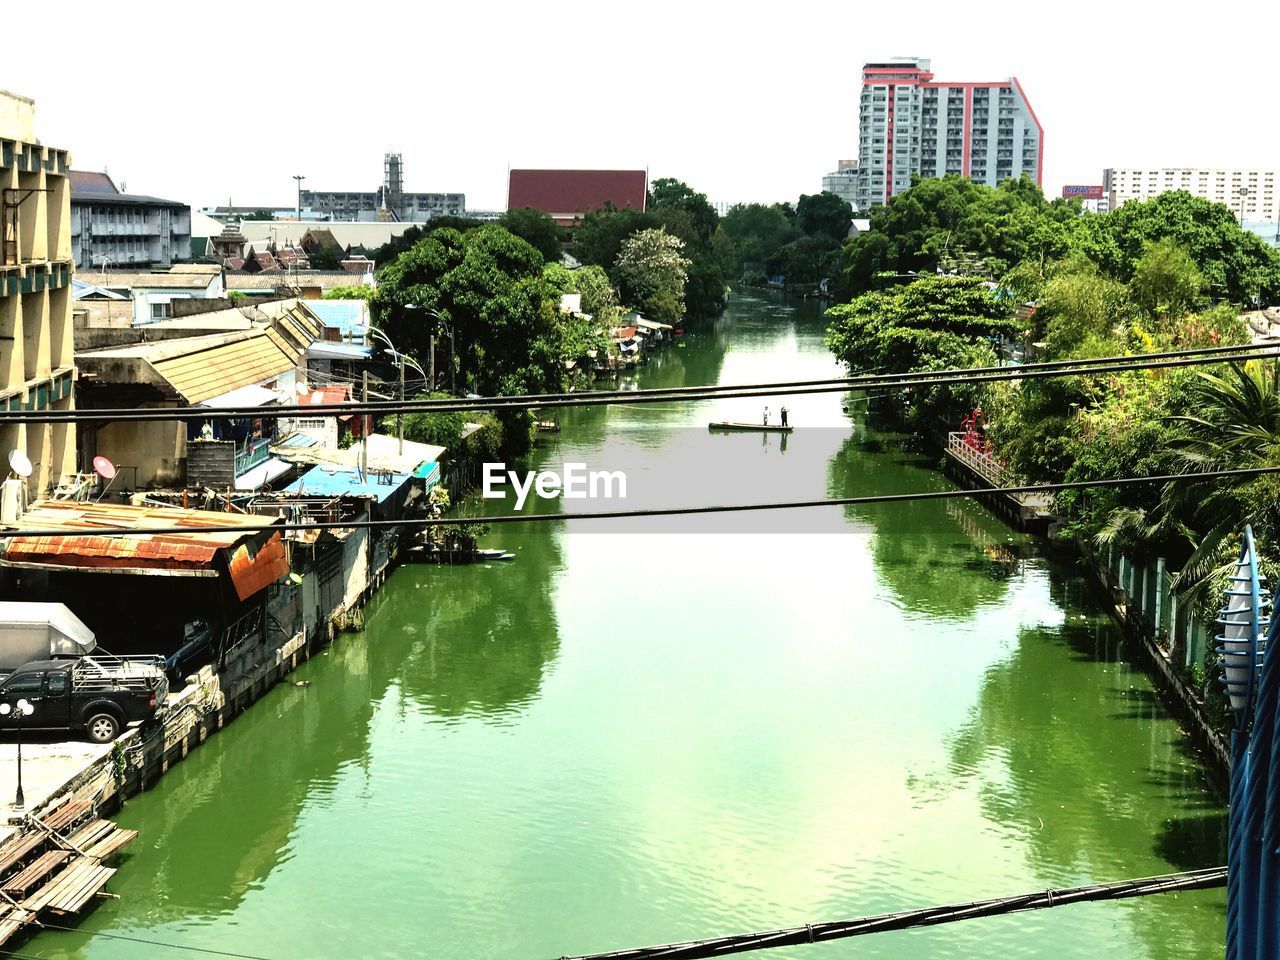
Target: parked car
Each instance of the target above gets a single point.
(99, 694)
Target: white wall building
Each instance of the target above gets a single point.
(120, 229)
(843, 182)
(912, 125)
(1250, 194)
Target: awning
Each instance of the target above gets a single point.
(262, 473)
(251, 396)
(325, 350)
(652, 325)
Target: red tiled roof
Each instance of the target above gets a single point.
(323, 396)
(572, 193)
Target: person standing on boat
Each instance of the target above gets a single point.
(766, 416)
(783, 414)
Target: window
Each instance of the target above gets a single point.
(161, 311)
(26, 683)
(56, 685)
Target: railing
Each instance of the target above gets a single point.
(103, 673)
(256, 452)
(964, 448)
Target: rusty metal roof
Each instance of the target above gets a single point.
(79, 547)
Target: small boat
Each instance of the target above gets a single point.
(757, 427)
(546, 426)
(483, 555)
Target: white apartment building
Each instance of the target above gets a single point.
(1250, 194)
(843, 182)
(912, 125)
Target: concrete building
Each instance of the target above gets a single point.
(843, 182)
(912, 125)
(37, 367)
(388, 202)
(154, 295)
(116, 228)
(1251, 194)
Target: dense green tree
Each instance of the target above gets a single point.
(699, 220)
(1166, 282)
(483, 290)
(353, 292)
(824, 214)
(535, 227)
(1236, 264)
(598, 238)
(757, 230)
(652, 272)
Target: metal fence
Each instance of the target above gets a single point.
(1149, 595)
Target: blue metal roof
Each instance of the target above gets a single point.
(326, 481)
(349, 316)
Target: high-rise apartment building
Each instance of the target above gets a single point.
(1250, 194)
(912, 125)
(36, 362)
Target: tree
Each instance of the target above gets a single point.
(483, 290)
(259, 215)
(1234, 263)
(652, 274)
(598, 239)
(1165, 281)
(934, 323)
(757, 230)
(535, 227)
(824, 214)
(668, 196)
(357, 292)
(321, 259)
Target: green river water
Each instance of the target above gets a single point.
(650, 734)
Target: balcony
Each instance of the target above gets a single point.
(255, 452)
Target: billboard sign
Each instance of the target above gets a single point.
(1079, 191)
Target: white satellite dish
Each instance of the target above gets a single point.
(301, 389)
(20, 463)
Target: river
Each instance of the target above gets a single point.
(630, 736)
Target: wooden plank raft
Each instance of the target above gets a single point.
(22, 882)
(71, 889)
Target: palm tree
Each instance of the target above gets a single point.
(1235, 425)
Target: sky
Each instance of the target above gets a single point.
(744, 101)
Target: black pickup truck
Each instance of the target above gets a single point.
(98, 694)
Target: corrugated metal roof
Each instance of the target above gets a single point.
(78, 546)
(208, 373)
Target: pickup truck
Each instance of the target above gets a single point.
(99, 694)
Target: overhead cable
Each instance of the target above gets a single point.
(904, 381)
(422, 522)
(925, 917)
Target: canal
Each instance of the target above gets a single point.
(665, 730)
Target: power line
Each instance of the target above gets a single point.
(421, 522)
(925, 917)
(918, 379)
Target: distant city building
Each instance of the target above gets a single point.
(843, 182)
(912, 125)
(1092, 197)
(37, 367)
(116, 228)
(388, 202)
(1250, 194)
(569, 195)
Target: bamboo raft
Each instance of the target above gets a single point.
(55, 869)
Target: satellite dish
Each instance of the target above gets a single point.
(20, 463)
(301, 389)
(104, 468)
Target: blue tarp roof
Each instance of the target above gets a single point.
(326, 481)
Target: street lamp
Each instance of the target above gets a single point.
(21, 709)
(400, 362)
(299, 177)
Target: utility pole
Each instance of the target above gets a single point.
(431, 367)
(299, 177)
(400, 414)
(364, 420)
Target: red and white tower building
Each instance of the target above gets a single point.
(910, 124)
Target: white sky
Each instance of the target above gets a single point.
(745, 101)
